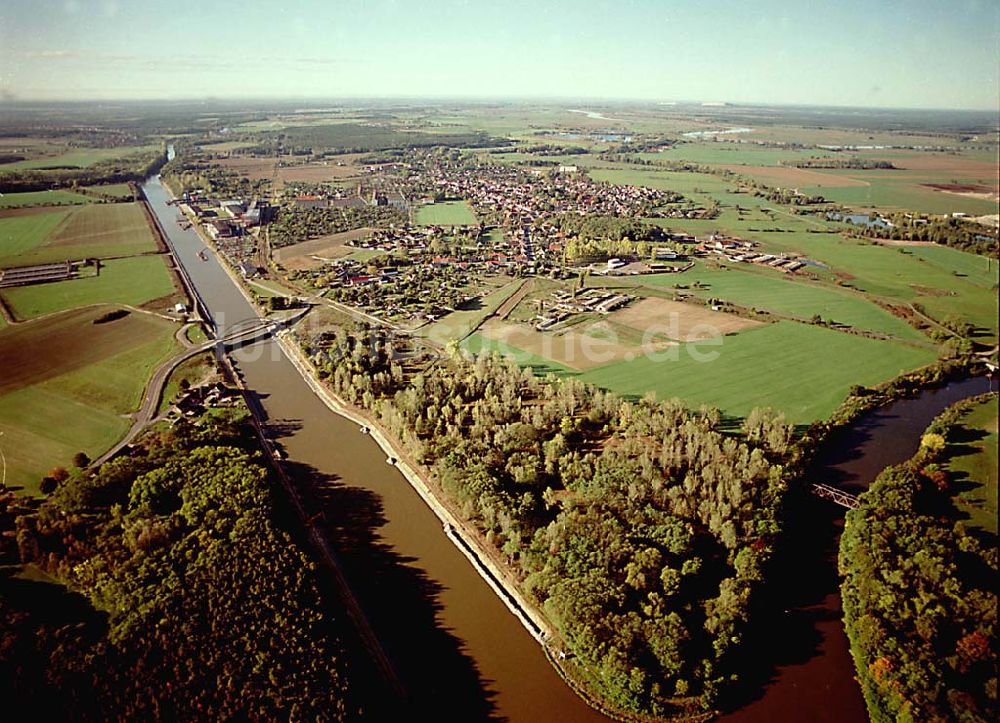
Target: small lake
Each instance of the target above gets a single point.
(859, 219)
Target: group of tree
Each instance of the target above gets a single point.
(299, 224)
(135, 167)
(185, 597)
(919, 594)
(640, 528)
(853, 163)
(958, 233)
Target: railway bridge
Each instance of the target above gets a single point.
(838, 496)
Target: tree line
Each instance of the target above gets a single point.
(919, 598)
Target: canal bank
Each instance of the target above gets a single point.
(454, 642)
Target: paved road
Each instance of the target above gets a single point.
(154, 389)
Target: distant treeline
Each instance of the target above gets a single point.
(854, 163)
(356, 138)
(117, 170)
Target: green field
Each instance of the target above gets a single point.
(134, 281)
(479, 344)
(447, 213)
(680, 181)
(112, 190)
(42, 198)
(100, 230)
(68, 382)
(900, 192)
(910, 274)
(804, 371)
(780, 293)
(975, 466)
(21, 236)
(726, 153)
(78, 158)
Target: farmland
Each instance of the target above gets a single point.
(111, 190)
(782, 294)
(67, 382)
(134, 281)
(801, 370)
(42, 198)
(100, 230)
(446, 213)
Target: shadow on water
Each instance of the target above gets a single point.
(797, 651)
(399, 600)
(792, 661)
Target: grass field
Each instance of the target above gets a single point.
(100, 230)
(21, 236)
(781, 294)
(725, 153)
(447, 213)
(976, 466)
(112, 190)
(926, 276)
(135, 281)
(479, 344)
(901, 192)
(77, 158)
(67, 382)
(42, 198)
(804, 371)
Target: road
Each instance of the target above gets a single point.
(154, 388)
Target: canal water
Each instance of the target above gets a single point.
(458, 650)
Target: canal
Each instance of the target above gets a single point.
(458, 650)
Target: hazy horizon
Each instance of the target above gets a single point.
(908, 55)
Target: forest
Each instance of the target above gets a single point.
(918, 594)
(180, 596)
(641, 529)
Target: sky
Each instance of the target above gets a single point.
(872, 53)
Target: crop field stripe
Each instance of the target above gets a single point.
(68, 382)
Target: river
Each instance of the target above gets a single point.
(458, 650)
(811, 676)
